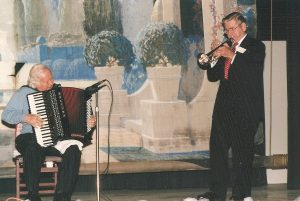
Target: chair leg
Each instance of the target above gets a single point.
(17, 178)
(55, 177)
(48, 187)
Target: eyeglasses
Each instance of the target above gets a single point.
(231, 29)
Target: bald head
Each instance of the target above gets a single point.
(40, 77)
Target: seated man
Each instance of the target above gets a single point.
(17, 113)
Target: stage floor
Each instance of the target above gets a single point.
(274, 192)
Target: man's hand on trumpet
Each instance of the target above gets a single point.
(223, 51)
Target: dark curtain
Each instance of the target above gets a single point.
(286, 26)
(293, 70)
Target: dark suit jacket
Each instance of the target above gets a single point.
(240, 99)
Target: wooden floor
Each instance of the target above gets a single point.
(274, 192)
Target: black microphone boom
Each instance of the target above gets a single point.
(89, 91)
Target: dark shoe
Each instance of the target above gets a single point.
(33, 197)
(210, 196)
(232, 198)
(61, 197)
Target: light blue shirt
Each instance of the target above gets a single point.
(17, 108)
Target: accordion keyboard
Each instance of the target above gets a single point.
(49, 106)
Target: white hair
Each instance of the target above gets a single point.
(35, 74)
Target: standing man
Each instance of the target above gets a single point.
(17, 112)
(238, 109)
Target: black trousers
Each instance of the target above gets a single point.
(34, 155)
(241, 141)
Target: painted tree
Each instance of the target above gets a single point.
(102, 15)
(30, 20)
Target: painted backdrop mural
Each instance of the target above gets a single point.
(146, 49)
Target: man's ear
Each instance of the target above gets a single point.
(244, 26)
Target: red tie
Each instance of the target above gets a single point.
(228, 62)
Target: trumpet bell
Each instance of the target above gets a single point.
(203, 61)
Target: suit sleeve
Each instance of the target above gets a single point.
(216, 73)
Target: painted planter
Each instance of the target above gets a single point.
(165, 82)
(114, 74)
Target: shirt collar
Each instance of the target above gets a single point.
(241, 40)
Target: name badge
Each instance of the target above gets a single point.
(240, 49)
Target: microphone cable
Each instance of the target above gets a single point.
(104, 83)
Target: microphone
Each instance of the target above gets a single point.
(89, 91)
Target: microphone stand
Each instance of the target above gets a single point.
(97, 148)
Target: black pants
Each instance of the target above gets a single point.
(34, 155)
(241, 142)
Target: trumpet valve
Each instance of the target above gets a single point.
(214, 58)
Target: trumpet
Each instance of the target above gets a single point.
(204, 60)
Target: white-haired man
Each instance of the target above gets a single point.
(17, 113)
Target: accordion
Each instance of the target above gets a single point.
(65, 111)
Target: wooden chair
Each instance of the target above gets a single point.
(48, 176)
